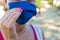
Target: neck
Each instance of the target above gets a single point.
(19, 27)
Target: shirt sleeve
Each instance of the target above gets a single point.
(1, 37)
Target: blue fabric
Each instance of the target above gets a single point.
(29, 10)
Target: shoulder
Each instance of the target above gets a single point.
(39, 32)
(37, 27)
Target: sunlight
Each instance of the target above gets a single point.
(1, 11)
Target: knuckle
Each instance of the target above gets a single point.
(3, 23)
(8, 25)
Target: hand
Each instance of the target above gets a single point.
(8, 21)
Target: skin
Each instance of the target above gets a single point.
(12, 30)
(7, 22)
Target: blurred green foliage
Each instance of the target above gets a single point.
(39, 3)
(50, 2)
(58, 7)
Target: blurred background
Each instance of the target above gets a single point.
(47, 18)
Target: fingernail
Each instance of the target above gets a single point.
(20, 10)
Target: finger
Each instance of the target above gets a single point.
(12, 18)
(12, 15)
(2, 19)
(12, 21)
(17, 14)
(18, 11)
(9, 18)
(12, 12)
(7, 14)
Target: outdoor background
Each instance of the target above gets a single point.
(48, 19)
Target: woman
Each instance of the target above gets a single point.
(14, 23)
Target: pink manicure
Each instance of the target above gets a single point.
(20, 9)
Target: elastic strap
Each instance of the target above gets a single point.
(34, 32)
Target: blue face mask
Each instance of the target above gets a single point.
(29, 10)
